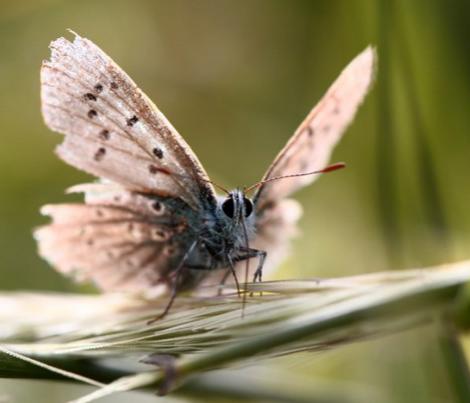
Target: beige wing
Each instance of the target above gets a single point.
(112, 130)
(310, 147)
(119, 240)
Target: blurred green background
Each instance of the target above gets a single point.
(236, 78)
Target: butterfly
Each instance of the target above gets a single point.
(154, 220)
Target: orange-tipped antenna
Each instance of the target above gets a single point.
(329, 168)
(217, 185)
(167, 172)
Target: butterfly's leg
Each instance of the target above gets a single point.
(259, 270)
(222, 282)
(227, 274)
(232, 270)
(174, 288)
(261, 255)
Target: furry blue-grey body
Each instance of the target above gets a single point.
(215, 239)
(231, 227)
(221, 236)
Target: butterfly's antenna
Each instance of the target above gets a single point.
(168, 172)
(329, 168)
(216, 185)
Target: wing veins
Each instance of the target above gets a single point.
(129, 136)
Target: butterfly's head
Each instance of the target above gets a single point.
(237, 207)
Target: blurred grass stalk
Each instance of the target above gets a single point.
(395, 47)
(395, 51)
(56, 336)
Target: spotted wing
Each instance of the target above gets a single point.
(112, 130)
(120, 240)
(310, 147)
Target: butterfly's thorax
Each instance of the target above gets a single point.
(227, 228)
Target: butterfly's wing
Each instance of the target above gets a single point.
(310, 147)
(308, 150)
(112, 130)
(119, 239)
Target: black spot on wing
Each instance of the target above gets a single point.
(132, 121)
(104, 134)
(90, 96)
(160, 233)
(157, 206)
(92, 113)
(114, 86)
(100, 153)
(98, 88)
(158, 152)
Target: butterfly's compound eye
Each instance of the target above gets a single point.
(248, 206)
(228, 207)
